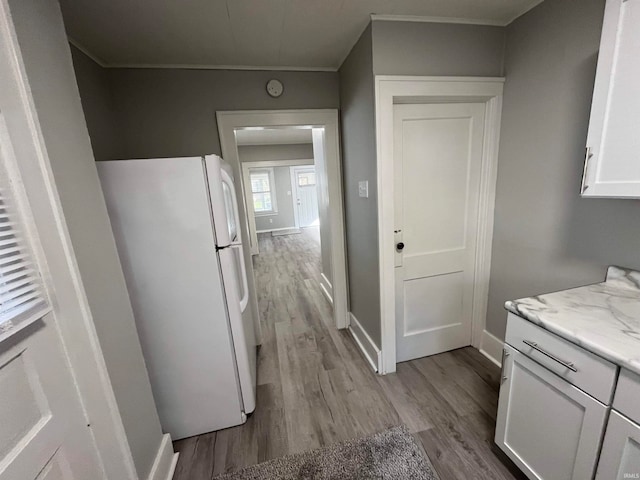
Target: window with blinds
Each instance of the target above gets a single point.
(22, 300)
(262, 189)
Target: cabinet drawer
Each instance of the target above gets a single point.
(628, 395)
(592, 374)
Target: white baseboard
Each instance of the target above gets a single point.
(275, 229)
(165, 463)
(327, 289)
(368, 348)
(491, 347)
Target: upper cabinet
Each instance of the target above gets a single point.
(612, 164)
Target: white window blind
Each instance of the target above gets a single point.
(21, 295)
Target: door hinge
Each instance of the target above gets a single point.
(587, 156)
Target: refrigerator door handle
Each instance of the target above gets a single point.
(226, 178)
(243, 272)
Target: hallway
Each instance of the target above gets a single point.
(314, 387)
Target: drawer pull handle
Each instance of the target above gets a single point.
(535, 346)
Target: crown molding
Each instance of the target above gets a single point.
(187, 66)
(534, 3)
(181, 66)
(80, 47)
(427, 19)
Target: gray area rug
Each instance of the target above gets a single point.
(392, 454)
(289, 231)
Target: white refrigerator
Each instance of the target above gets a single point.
(176, 225)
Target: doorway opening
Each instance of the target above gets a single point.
(287, 165)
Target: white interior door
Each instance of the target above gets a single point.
(304, 179)
(437, 164)
(44, 432)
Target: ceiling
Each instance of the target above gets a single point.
(273, 136)
(267, 34)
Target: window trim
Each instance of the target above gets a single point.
(272, 191)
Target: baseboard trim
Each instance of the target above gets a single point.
(491, 347)
(368, 348)
(327, 289)
(275, 229)
(166, 460)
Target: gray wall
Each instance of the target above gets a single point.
(48, 65)
(165, 112)
(97, 104)
(260, 153)
(394, 48)
(546, 237)
(285, 218)
(359, 163)
(420, 48)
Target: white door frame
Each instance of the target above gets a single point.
(248, 198)
(229, 121)
(390, 90)
(59, 268)
(292, 179)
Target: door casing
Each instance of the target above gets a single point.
(390, 90)
(229, 121)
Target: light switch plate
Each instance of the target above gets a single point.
(363, 188)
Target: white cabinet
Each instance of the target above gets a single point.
(548, 427)
(620, 456)
(612, 165)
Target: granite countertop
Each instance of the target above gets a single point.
(603, 318)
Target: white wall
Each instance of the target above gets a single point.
(48, 66)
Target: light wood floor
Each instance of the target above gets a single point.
(314, 388)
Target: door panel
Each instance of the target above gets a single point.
(548, 427)
(418, 295)
(40, 412)
(620, 456)
(437, 161)
(58, 468)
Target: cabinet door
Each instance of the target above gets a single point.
(612, 167)
(548, 427)
(620, 456)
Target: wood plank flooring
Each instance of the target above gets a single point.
(314, 387)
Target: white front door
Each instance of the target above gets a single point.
(304, 179)
(437, 163)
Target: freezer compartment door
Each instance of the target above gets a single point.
(241, 322)
(224, 201)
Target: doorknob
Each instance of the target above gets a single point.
(399, 246)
